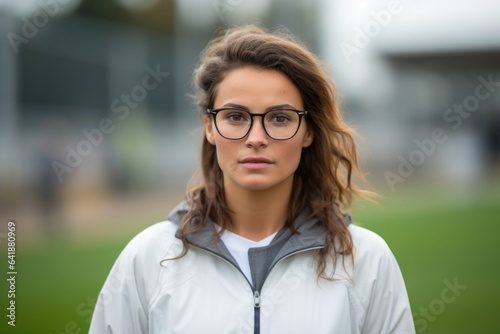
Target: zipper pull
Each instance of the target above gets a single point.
(256, 299)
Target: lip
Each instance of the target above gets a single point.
(256, 162)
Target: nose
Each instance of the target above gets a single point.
(257, 136)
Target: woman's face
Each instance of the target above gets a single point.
(258, 162)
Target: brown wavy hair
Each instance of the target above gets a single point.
(323, 180)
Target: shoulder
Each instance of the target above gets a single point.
(144, 253)
(139, 263)
(375, 267)
(133, 280)
(155, 233)
(154, 241)
(372, 256)
(379, 285)
(368, 242)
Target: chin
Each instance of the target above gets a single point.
(259, 183)
(249, 182)
(256, 182)
(256, 185)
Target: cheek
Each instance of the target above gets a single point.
(225, 150)
(291, 154)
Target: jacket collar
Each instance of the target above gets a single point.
(311, 235)
(311, 230)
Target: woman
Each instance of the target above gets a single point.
(261, 245)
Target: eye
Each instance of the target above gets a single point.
(236, 117)
(279, 118)
(233, 116)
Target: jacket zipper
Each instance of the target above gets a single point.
(256, 299)
(256, 312)
(256, 292)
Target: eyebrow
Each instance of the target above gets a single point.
(239, 106)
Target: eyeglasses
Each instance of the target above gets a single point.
(235, 123)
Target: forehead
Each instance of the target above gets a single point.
(257, 89)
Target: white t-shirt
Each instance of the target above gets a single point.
(238, 246)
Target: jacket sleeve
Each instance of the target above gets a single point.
(122, 305)
(381, 284)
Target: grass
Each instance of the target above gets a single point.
(446, 244)
(58, 281)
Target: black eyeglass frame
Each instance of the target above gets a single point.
(214, 112)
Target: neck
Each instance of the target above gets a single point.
(256, 214)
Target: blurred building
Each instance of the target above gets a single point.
(94, 96)
(408, 68)
(101, 88)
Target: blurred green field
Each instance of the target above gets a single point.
(435, 239)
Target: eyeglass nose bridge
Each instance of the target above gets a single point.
(262, 116)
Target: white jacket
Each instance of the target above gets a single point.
(205, 292)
